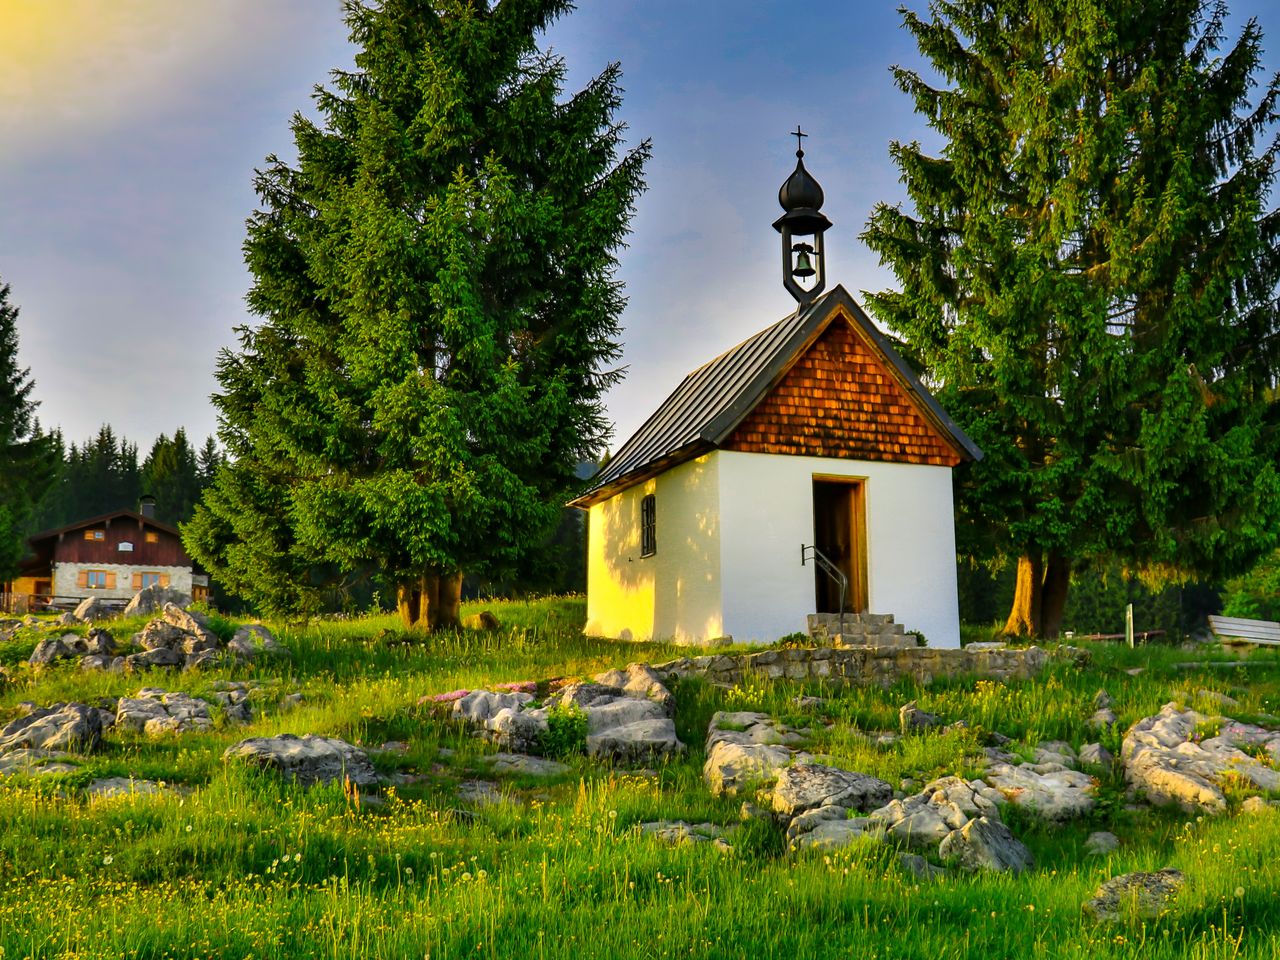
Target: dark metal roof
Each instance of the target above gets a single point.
(712, 400)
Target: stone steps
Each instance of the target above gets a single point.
(858, 630)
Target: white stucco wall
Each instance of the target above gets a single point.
(766, 512)
(674, 594)
(66, 579)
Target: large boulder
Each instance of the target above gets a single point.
(253, 640)
(1138, 896)
(830, 828)
(154, 598)
(63, 726)
(945, 805)
(194, 625)
(54, 648)
(985, 844)
(480, 705)
(635, 742)
(745, 751)
(308, 759)
(35, 763)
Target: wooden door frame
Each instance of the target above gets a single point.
(858, 597)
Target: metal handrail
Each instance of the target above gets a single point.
(825, 564)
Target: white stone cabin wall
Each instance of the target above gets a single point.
(66, 578)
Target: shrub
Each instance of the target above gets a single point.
(566, 730)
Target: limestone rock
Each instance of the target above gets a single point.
(91, 609)
(985, 844)
(479, 792)
(1055, 794)
(35, 763)
(308, 759)
(114, 788)
(1140, 896)
(157, 712)
(835, 833)
(158, 657)
(1101, 719)
(1103, 700)
(1162, 759)
(806, 786)
(911, 718)
(681, 831)
(253, 640)
(944, 805)
(99, 642)
(53, 648)
(919, 867)
(744, 751)
(154, 598)
(637, 741)
(1095, 754)
(516, 731)
(639, 680)
(522, 764)
(1257, 805)
(1101, 843)
(479, 705)
(63, 726)
(67, 619)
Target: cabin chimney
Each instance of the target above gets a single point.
(147, 506)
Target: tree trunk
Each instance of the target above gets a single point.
(418, 602)
(450, 602)
(1053, 596)
(431, 602)
(1025, 617)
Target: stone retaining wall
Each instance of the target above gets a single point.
(867, 665)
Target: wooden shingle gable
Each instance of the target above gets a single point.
(798, 375)
(840, 399)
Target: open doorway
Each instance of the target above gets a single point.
(840, 533)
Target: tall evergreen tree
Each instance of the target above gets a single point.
(28, 461)
(171, 474)
(435, 280)
(1089, 275)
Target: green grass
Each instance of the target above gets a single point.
(240, 864)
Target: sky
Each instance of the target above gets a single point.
(130, 130)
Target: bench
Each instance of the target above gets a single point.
(1236, 629)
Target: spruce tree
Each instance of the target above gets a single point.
(28, 457)
(434, 279)
(1088, 274)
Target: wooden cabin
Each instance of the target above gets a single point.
(111, 556)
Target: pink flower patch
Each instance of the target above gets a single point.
(449, 697)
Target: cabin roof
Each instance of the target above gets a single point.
(103, 518)
(712, 400)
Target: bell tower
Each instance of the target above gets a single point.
(802, 224)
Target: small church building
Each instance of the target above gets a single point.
(806, 470)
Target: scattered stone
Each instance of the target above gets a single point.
(521, 764)
(1256, 805)
(639, 680)
(912, 719)
(919, 867)
(1056, 794)
(1136, 671)
(93, 608)
(253, 640)
(636, 742)
(745, 751)
(681, 831)
(1096, 755)
(985, 844)
(945, 805)
(479, 706)
(1103, 700)
(1139, 896)
(479, 792)
(749, 811)
(1102, 719)
(484, 620)
(67, 620)
(156, 712)
(234, 698)
(309, 759)
(35, 763)
(112, 788)
(154, 598)
(1101, 843)
(54, 648)
(1162, 759)
(831, 832)
(806, 786)
(63, 726)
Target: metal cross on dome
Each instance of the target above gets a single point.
(798, 134)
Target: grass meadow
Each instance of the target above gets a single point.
(237, 864)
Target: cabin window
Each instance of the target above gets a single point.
(150, 580)
(95, 534)
(648, 526)
(95, 579)
(153, 537)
